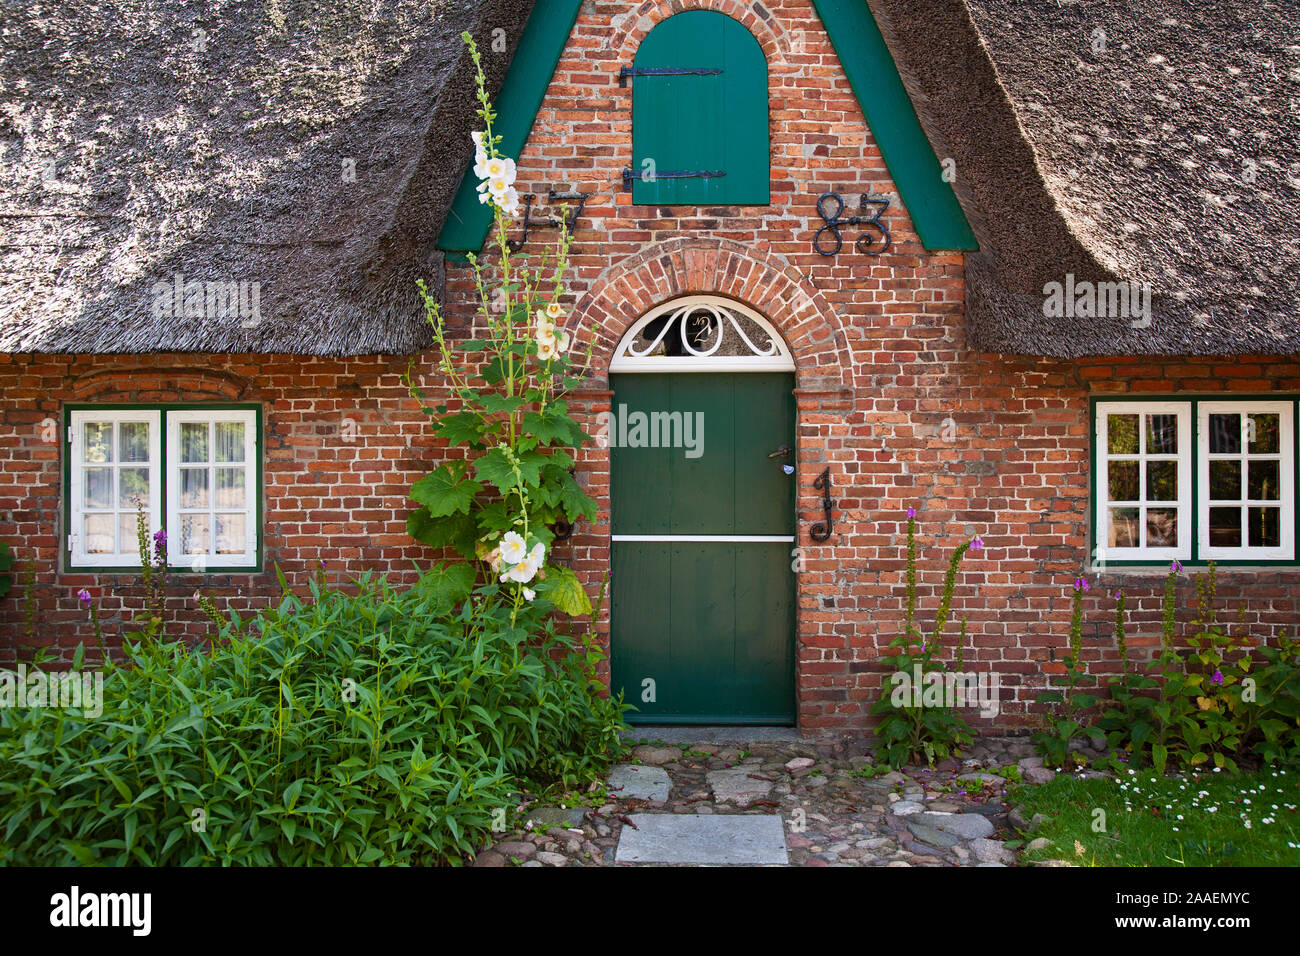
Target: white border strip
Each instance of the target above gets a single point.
(751, 538)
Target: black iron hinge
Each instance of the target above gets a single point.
(630, 175)
(627, 71)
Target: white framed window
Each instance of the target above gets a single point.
(1144, 485)
(211, 483)
(114, 464)
(195, 472)
(1247, 480)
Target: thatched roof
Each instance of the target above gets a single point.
(140, 139)
(1132, 162)
(144, 138)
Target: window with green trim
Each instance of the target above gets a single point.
(195, 472)
(700, 114)
(1196, 481)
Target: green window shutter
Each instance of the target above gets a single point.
(700, 122)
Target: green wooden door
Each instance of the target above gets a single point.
(703, 591)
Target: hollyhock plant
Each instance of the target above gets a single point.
(509, 484)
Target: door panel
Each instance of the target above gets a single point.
(710, 622)
(733, 487)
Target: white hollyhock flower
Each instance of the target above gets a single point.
(545, 327)
(513, 549)
(546, 349)
(529, 594)
(509, 203)
(553, 311)
(561, 341)
(498, 187)
(523, 572)
(538, 554)
(499, 167)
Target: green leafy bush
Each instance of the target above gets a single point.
(1215, 703)
(386, 727)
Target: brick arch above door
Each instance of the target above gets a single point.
(766, 283)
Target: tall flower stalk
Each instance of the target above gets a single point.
(496, 501)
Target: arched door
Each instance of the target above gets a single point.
(702, 435)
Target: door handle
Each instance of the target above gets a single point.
(782, 452)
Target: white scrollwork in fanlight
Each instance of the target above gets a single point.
(714, 335)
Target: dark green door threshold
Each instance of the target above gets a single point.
(730, 734)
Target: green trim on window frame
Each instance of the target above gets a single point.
(525, 84)
(1194, 401)
(930, 201)
(65, 557)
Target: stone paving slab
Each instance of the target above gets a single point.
(712, 840)
(629, 782)
(739, 785)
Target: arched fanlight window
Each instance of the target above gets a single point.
(702, 333)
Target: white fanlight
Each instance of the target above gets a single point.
(702, 333)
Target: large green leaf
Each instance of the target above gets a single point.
(553, 426)
(495, 469)
(449, 583)
(445, 490)
(462, 428)
(562, 588)
(458, 530)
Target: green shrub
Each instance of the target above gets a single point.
(386, 727)
(1214, 704)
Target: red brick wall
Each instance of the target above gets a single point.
(882, 363)
(343, 442)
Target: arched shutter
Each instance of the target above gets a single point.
(699, 113)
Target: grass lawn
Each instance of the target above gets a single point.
(1201, 819)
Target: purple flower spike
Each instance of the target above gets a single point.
(1081, 584)
(1176, 566)
(911, 512)
(322, 564)
(160, 540)
(84, 597)
(977, 544)
(1218, 677)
